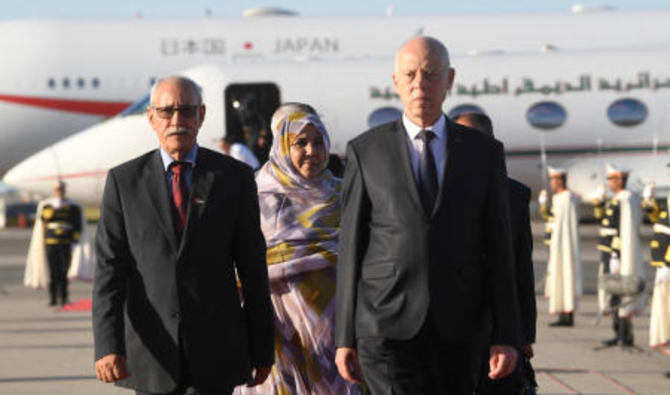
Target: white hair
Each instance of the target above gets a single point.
(181, 81)
(435, 47)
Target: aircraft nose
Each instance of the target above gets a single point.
(35, 174)
(82, 160)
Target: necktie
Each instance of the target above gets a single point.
(179, 191)
(427, 173)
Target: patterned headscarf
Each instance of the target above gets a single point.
(299, 217)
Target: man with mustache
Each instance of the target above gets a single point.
(425, 279)
(176, 224)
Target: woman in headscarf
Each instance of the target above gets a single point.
(300, 215)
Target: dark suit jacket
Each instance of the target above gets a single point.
(396, 264)
(155, 294)
(522, 240)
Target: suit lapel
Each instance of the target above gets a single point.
(156, 188)
(201, 184)
(406, 163)
(452, 152)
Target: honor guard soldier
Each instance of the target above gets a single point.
(58, 226)
(659, 325)
(564, 270)
(621, 252)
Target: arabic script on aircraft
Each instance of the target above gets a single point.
(528, 86)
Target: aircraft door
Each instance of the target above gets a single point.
(249, 108)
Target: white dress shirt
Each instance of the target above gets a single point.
(438, 145)
(241, 152)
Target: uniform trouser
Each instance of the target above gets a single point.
(424, 364)
(622, 327)
(58, 256)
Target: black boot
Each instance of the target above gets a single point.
(64, 294)
(616, 323)
(563, 320)
(52, 294)
(627, 339)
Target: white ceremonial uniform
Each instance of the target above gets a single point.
(659, 321)
(36, 274)
(631, 261)
(564, 269)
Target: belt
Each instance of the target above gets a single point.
(608, 232)
(58, 225)
(660, 228)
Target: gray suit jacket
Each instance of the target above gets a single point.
(396, 264)
(156, 294)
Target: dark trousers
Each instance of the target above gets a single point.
(422, 365)
(186, 386)
(189, 391)
(58, 256)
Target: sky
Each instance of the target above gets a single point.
(13, 9)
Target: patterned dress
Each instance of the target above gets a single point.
(300, 221)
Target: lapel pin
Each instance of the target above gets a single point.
(198, 201)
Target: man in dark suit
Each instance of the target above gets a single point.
(425, 271)
(522, 241)
(176, 224)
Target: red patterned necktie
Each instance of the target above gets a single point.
(179, 191)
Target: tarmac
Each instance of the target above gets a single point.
(46, 351)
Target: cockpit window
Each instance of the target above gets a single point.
(383, 115)
(463, 108)
(546, 115)
(627, 112)
(139, 107)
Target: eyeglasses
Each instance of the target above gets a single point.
(167, 112)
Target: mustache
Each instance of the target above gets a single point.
(181, 130)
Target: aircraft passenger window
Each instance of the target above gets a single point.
(80, 83)
(463, 108)
(51, 83)
(139, 107)
(627, 112)
(95, 82)
(546, 115)
(66, 83)
(383, 115)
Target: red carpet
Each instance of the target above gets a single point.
(78, 305)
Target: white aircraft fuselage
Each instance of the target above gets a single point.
(578, 109)
(60, 76)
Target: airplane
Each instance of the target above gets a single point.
(62, 75)
(578, 109)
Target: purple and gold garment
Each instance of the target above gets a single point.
(300, 220)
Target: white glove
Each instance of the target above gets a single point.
(599, 194)
(542, 198)
(615, 264)
(648, 191)
(662, 275)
